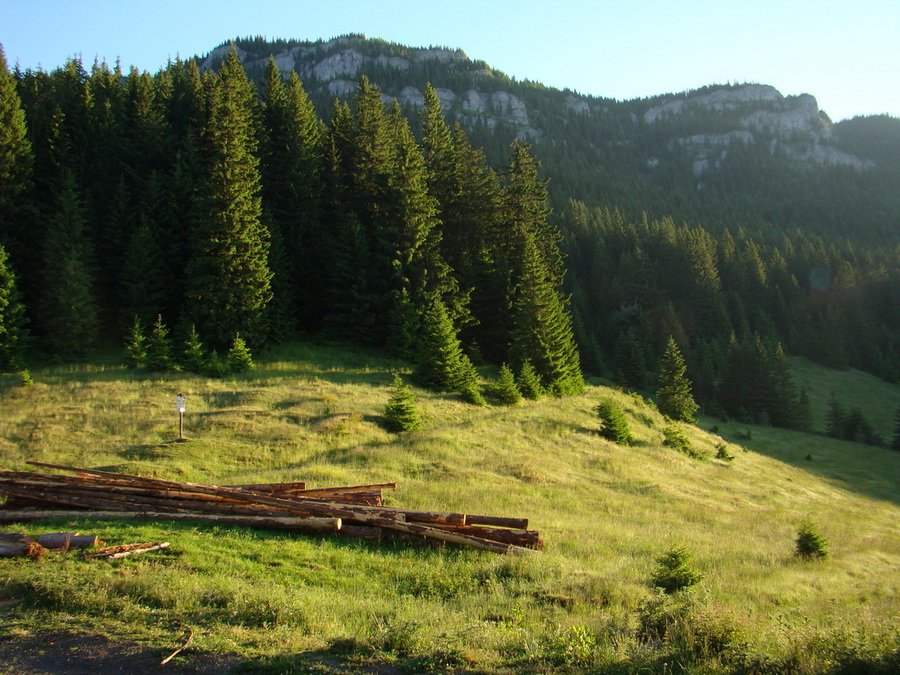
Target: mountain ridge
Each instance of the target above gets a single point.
(691, 155)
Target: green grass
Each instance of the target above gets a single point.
(607, 513)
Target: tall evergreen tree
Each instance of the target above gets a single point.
(895, 442)
(228, 281)
(674, 396)
(540, 323)
(16, 162)
(67, 310)
(293, 192)
(12, 316)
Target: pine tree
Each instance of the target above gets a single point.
(442, 365)
(529, 383)
(506, 390)
(12, 315)
(228, 281)
(614, 423)
(401, 413)
(136, 345)
(67, 310)
(540, 323)
(674, 396)
(293, 193)
(16, 162)
(239, 358)
(835, 418)
(895, 443)
(143, 280)
(159, 349)
(193, 356)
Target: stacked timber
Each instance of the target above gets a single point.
(350, 511)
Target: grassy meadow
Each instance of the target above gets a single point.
(284, 603)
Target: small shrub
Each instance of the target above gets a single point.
(25, 378)
(673, 572)
(400, 413)
(676, 438)
(722, 453)
(809, 543)
(614, 423)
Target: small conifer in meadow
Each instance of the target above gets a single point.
(809, 544)
(529, 382)
(136, 346)
(674, 572)
(193, 357)
(159, 351)
(614, 423)
(506, 390)
(401, 413)
(239, 358)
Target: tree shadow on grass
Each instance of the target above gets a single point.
(862, 469)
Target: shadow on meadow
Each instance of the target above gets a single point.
(861, 469)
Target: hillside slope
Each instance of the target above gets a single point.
(606, 512)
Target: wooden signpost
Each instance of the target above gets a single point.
(179, 406)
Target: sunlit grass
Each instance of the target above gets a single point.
(607, 512)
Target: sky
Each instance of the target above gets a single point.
(846, 53)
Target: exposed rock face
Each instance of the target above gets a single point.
(793, 125)
(342, 64)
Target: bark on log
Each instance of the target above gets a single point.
(317, 508)
(69, 540)
(21, 549)
(497, 521)
(311, 524)
(526, 538)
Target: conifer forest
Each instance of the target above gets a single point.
(216, 207)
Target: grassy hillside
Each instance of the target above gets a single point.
(306, 604)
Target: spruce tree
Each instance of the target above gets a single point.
(144, 277)
(401, 413)
(506, 390)
(136, 345)
(292, 194)
(159, 348)
(674, 396)
(442, 365)
(835, 418)
(12, 316)
(193, 355)
(895, 442)
(16, 162)
(614, 424)
(228, 281)
(239, 358)
(528, 381)
(540, 323)
(67, 309)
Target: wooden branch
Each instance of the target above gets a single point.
(124, 550)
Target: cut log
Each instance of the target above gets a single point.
(497, 521)
(274, 521)
(526, 538)
(365, 514)
(69, 540)
(21, 549)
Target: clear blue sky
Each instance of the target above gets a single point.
(846, 54)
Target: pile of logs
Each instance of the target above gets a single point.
(355, 511)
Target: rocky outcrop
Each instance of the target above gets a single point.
(342, 64)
